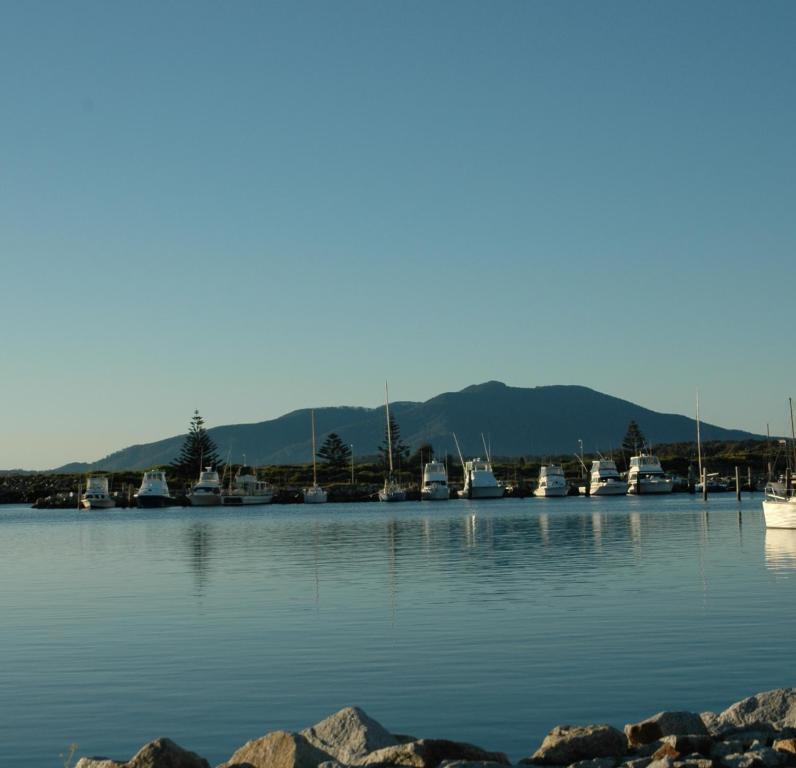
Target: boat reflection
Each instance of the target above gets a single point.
(780, 550)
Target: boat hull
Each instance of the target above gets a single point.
(153, 502)
(550, 493)
(608, 489)
(435, 493)
(780, 514)
(98, 503)
(392, 496)
(315, 495)
(650, 487)
(245, 501)
(482, 492)
(204, 500)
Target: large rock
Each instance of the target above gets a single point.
(349, 735)
(773, 708)
(161, 753)
(665, 724)
(689, 745)
(280, 749)
(429, 753)
(567, 744)
(164, 753)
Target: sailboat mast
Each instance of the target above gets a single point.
(314, 471)
(699, 439)
(389, 430)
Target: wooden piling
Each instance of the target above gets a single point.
(704, 485)
(737, 483)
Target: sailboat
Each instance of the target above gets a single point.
(779, 504)
(392, 491)
(315, 494)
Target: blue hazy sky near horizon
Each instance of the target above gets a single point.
(249, 208)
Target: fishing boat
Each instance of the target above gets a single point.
(154, 490)
(392, 490)
(646, 476)
(96, 495)
(435, 482)
(206, 492)
(552, 482)
(246, 489)
(479, 478)
(314, 494)
(604, 479)
(779, 504)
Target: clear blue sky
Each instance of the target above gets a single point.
(248, 208)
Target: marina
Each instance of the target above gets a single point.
(300, 610)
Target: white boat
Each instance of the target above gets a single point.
(779, 505)
(435, 482)
(479, 479)
(392, 490)
(246, 489)
(315, 494)
(605, 480)
(154, 490)
(206, 492)
(552, 482)
(646, 476)
(96, 495)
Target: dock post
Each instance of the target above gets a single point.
(788, 482)
(704, 485)
(737, 483)
(749, 477)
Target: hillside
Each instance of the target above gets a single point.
(517, 421)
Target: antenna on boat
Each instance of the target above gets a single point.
(486, 450)
(459, 450)
(581, 462)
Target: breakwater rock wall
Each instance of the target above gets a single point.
(757, 732)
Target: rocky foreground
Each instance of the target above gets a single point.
(758, 732)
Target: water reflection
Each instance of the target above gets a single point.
(780, 549)
(198, 536)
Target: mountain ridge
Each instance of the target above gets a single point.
(517, 421)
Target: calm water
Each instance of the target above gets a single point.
(484, 621)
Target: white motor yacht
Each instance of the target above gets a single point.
(96, 495)
(779, 505)
(552, 482)
(154, 490)
(435, 482)
(646, 476)
(247, 489)
(206, 492)
(605, 479)
(314, 494)
(480, 481)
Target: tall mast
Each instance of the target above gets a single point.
(314, 471)
(792, 431)
(699, 440)
(389, 431)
